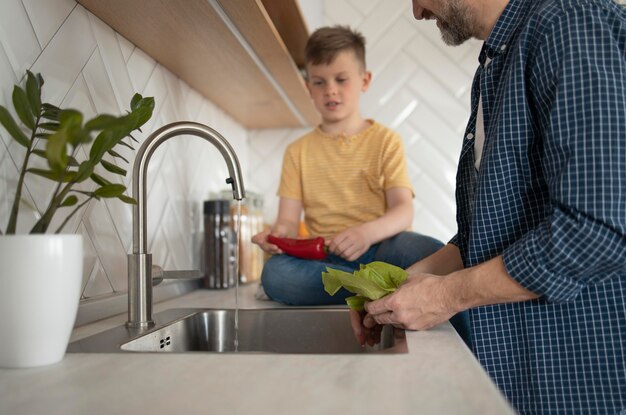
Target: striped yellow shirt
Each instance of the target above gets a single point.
(341, 180)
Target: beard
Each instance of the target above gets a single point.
(456, 23)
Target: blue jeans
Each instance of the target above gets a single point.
(296, 281)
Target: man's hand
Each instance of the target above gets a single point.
(350, 244)
(420, 303)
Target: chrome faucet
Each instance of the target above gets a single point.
(140, 261)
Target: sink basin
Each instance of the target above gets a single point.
(274, 330)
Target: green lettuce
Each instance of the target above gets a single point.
(371, 282)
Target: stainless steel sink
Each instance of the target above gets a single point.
(275, 330)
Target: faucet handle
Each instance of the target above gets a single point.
(158, 275)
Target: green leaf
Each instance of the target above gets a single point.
(134, 102)
(12, 128)
(126, 199)
(356, 302)
(50, 112)
(85, 170)
(100, 146)
(113, 168)
(111, 190)
(63, 177)
(40, 153)
(69, 201)
(33, 90)
(50, 126)
(101, 122)
(43, 136)
(72, 162)
(125, 144)
(116, 154)
(353, 283)
(373, 281)
(22, 107)
(56, 150)
(99, 180)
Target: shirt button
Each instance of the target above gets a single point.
(470, 136)
(503, 48)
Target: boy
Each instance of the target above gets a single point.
(348, 176)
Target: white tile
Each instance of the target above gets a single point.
(79, 98)
(440, 99)
(388, 82)
(381, 53)
(341, 12)
(440, 167)
(157, 89)
(99, 85)
(382, 18)
(98, 284)
(366, 6)
(7, 79)
(400, 107)
(114, 62)
(90, 256)
(47, 16)
(112, 255)
(434, 128)
(140, 67)
(440, 65)
(65, 56)
(8, 180)
(125, 46)
(17, 36)
(122, 217)
(159, 249)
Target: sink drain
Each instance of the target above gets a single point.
(164, 342)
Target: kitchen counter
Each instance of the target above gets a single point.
(439, 375)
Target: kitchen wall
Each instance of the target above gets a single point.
(86, 65)
(420, 88)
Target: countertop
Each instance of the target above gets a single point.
(439, 375)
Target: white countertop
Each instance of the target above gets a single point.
(439, 375)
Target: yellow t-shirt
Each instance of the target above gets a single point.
(341, 180)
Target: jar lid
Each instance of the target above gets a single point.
(216, 207)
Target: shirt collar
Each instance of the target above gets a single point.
(505, 28)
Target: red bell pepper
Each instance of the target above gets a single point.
(301, 248)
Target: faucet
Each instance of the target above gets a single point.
(140, 261)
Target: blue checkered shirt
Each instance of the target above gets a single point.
(550, 197)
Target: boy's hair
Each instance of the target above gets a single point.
(325, 43)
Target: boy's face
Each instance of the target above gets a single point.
(336, 88)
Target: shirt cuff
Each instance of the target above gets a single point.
(526, 263)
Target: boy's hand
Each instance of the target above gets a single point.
(349, 244)
(261, 240)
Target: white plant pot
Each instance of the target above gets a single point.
(40, 282)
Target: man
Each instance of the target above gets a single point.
(540, 254)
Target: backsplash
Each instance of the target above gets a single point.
(420, 88)
(86, 65)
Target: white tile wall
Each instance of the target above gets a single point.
(86, 65)
(420, 88)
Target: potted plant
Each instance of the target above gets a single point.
(41, 272)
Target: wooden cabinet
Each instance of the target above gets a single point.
(228, 50)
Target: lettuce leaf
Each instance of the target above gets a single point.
(371, 282)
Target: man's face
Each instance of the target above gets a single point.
(454, 18)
